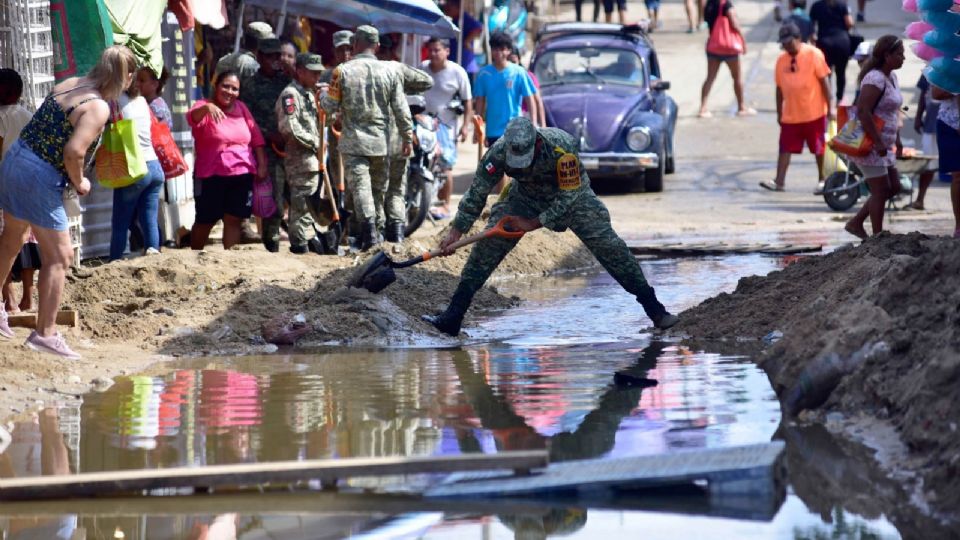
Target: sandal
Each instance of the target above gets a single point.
(772, 186)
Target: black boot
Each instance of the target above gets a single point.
(369, 236)
(394, 231)
(450, 320)
(655, 310)
(317, 246)
(271, 246)
(298, 250)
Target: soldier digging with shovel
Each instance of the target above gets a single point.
(550, 189)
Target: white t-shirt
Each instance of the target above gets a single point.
(446, 83)
(138, 110)
(12, 119)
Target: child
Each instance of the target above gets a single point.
(150, 88)
(13, 117)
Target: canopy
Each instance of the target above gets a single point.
(421, 17)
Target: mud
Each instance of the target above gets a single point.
(903, 290)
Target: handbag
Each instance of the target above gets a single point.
(263, 204)
(168, 154)
(119, 160)
(852, 139)
(723, 40)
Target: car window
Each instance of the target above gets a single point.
(590, 64)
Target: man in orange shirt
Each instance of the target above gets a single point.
(803, 103)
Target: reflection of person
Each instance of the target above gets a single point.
(879, 96)
(229, 154)
(551, 190)
(34, 174)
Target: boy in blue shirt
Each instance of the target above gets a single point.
(501, 88)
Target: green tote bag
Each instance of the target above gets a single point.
(119, 160)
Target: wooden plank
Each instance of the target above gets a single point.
(327, 471)
(65, 317)
(736, 471)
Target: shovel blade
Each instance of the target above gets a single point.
(378, 263)
(379, 280)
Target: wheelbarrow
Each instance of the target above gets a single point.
(378, 273)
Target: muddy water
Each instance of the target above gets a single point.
(535, 377)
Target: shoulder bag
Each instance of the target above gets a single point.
(852, 139)
(723, 40)
(119, 161)
(168, 154)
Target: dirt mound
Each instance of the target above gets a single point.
(873, 330)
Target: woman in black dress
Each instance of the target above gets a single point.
(833, 23)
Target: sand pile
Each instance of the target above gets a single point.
(896, 297)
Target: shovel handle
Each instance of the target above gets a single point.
(499, 230)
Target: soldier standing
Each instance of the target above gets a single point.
(343, 51)
(260, 93)
(369, 95)
(244, 62)
(550, 189)
(297, 113)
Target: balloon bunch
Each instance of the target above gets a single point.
(938, 41)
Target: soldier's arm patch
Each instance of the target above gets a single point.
(288, 105)
(489, 167)
(568, 172)
(333, 92)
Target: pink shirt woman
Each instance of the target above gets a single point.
(229, 154)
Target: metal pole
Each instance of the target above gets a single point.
(236, 42)
(460, 37)
(282, 19)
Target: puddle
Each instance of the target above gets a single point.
(535, 377)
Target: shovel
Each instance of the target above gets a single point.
(378, 273)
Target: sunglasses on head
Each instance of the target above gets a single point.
(793, 64)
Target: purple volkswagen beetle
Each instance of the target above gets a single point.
(601, 83)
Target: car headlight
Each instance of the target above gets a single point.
(638, 138)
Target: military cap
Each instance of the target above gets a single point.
(269, 46)
(368, 34)
(341, 38)
(260, 30)
(309, 61)
(520, 137)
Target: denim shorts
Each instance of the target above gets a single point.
(32, 189)
(447, 139)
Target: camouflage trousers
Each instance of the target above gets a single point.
(303, 212)
(588, 219)
(376, 193)
(271, 225)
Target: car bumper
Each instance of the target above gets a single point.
(619, 162)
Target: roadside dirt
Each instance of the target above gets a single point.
(183, 303)
(899, 291)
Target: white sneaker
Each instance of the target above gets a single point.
(54, 344)
(5, 331)
(819, 190)
(152, 251)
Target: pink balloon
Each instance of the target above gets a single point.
(910, 6)
(916, 30)
(925, 52)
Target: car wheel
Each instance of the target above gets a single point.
(653, 178)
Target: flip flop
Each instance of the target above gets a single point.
(439, 214)
(767, 184)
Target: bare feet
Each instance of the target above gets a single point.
(705, 114)
(856, 230)
(27, 304)
(915, 205)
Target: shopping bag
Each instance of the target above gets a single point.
(831, 162)
(263, 204)
(723, 40)
(119, 160)
(852, 139)
(168, 154)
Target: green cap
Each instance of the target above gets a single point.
(520, 137)
(367, 34)
(269, 46)
(342, 38)
(309, 61)
(260, 30)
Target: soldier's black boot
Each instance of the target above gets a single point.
(298, 250)
(271, 246)
(394, 232)
(661, 318)
(369, 237)
(317, 246)
(450, 320)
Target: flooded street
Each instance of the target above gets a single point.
(536, 377)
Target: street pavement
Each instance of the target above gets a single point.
(721, 160)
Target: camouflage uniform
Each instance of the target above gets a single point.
(297, 113)
(243, 63)
(369, 96)
(554, 188)
(260, 94)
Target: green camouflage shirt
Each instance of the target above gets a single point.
(369, 96)
(414, 81)
(297, 110)
(243, 63)
(259, 93)
(554, 181)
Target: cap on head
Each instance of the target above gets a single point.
(342, 38)
(520, 138)
(367, 34)
(269, 46)
(310, 61)
(260, 30)
(789, 32)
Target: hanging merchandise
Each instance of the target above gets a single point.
(81, 31)
(938, 40)
(136, 24)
